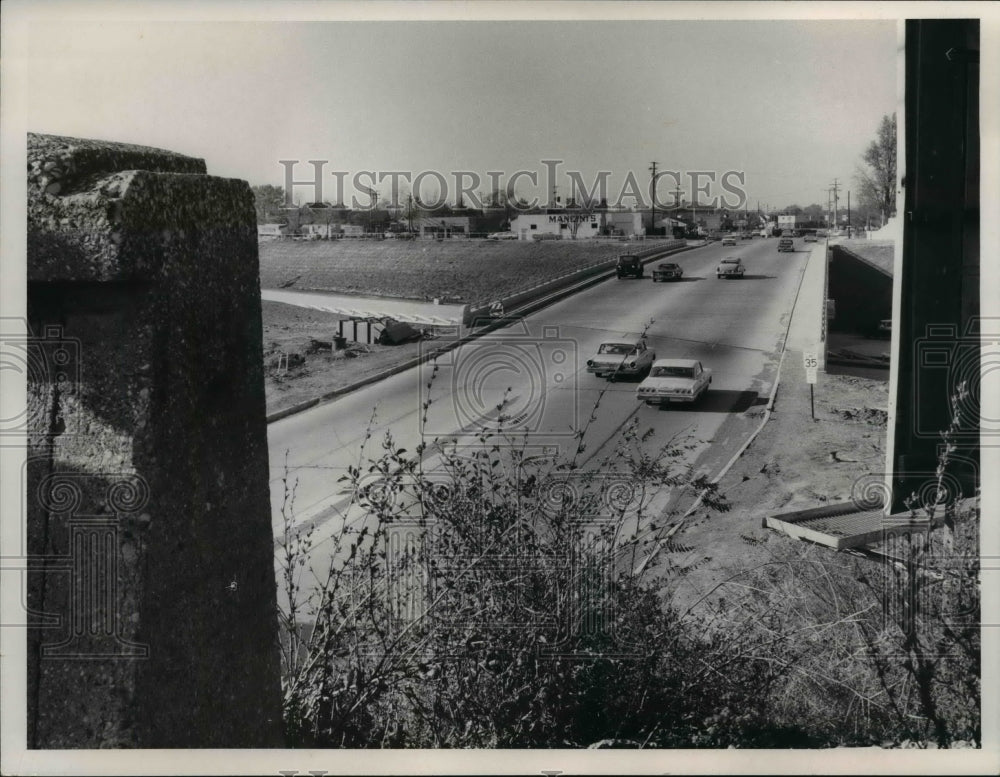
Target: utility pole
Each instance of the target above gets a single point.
(835, 186)
(848, 214)
(652, 186)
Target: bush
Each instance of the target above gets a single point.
(499, 600)
(490, 598)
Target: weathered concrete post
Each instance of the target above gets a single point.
(152, 594)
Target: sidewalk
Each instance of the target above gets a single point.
(805, 332)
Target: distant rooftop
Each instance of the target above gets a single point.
(877, 253)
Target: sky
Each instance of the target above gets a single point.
(790, 105)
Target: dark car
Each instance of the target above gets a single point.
(629, 266)
(786, 244)
(667, 271)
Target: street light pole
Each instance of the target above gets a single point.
(652, 218)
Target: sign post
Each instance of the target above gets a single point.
(811, 363)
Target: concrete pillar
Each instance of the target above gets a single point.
(152, 588)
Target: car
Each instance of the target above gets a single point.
(881, 330)
(621, 357)
(667, 271)
(629, 266)
(786, 244)
(730, 267)
(810, 237)
(501, 236)
(674, 380)
(746, 236)
(729, 240)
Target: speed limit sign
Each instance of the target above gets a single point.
(811, 362)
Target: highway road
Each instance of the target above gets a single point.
(735, 327)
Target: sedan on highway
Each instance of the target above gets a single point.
(729, 240)
(667, 271)
(810, 237)
(674, 380)
(621, 358)
(730, 267)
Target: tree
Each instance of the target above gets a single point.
(269, 202)
(877, 182)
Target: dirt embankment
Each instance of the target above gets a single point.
(299, 360)
(795, 462)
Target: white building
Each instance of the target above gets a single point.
(573, 225)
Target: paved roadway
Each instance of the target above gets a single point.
(735, 327)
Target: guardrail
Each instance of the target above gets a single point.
(481, 309)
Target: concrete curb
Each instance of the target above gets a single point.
(527, 308)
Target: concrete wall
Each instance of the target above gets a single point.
(863, 293)
(147, 481)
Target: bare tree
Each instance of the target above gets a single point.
(877, 181)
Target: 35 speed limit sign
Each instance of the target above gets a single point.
(811, 362)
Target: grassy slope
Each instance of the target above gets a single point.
(466, 270)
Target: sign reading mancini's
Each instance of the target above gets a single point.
(573, 218)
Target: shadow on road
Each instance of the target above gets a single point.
(622, 378)
(759, 277)
(721, 401)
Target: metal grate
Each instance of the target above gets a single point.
(841, 526)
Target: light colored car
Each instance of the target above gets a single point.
(501, 236)
(729, 240)
(623, 357)
(674, 380)
(667, 271)
(810, 237)
(730, 267)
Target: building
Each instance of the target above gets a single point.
(577, 225)
(569, 225)
(443, 226)
(317, 231)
